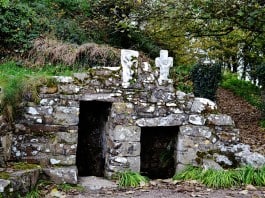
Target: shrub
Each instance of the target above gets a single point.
(205, 80)
(19, 24)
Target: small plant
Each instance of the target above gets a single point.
(34, 193)
(189, 173)
(130, 179)
(262, 123)
(220, 178)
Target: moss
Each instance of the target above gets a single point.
(25, 166)
(4, 175)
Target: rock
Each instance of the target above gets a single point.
(171, 120)
(202, 104)
(64, 79)
(32, 111)
(196, 120)
(62, 174)
(220, 120)
(96, 183)
(222, 159)
(4, 185)
(127, 133)
(250, 187)
(210, 164)
(24, 180)
(252, 159)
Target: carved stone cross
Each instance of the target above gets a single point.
(129, 62)
(164, 63)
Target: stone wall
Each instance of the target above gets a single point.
(48, 131)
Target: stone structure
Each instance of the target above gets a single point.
(96, 123)
(164, 63)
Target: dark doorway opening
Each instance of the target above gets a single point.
(157, 151)
(90, 159)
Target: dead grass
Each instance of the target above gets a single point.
(52, 51)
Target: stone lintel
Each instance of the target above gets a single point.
(171, 120)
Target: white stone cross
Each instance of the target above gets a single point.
(164, 63)
(129, 62)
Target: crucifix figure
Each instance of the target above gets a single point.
(164, 63)
(129, 62)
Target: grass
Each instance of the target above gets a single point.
(224, 178)
(17, 80)
(130, 179)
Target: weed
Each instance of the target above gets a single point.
(130, 179)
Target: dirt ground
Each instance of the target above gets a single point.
(181, 190)
(246, 119)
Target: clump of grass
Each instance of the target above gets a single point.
(220, 178)
(130, 179)
(52, 51)
(189, 173)
(224, 178)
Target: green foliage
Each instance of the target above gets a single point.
(4, 3)
(262, 123)
(224, 178)
(18, 81)
(205, 80)
(130, 179)
(250, 175)
(189, 173)
(242, 88)
(34, 193)
(181, 75)
(220, 178)
(19, 24)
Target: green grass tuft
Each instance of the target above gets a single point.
(130, 179)
(189, 173)
(224, 178)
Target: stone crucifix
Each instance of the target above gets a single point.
(164, 63)
(129, 62)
